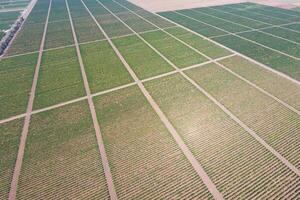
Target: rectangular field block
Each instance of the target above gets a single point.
(145, 161)
(62, 157)
(273, 122)
(226, 151)
(10, 133)
(59, 78)
(16, 75)
(144, 61)
(103, 68)
(181, 55)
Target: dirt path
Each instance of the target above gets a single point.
(188, 154)
(222, 107)
(18, 165)
(2, 121)
(106, 168)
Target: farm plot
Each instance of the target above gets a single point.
(273, 122)
(268, 10)
(7, 5)
(29, 37)
(196, 26)
(226, 151)
(295, 27)
(284, 46)
(59, 31)
(136, 23)
(224, 25)
(103, 68)
(111, 25)
(284, 33)
(146, 162)
(61, 157)
(232, 17)
(269, 81)
(143, 60)
(15, 79)
(158, 21)
(7, 19)
(59, 34)
(208, 48)
(86, 28)
(175, 51)
(9, 142)
(276, 47)
(266, 56)
(58, 11)
(251, 15)
(59, 78)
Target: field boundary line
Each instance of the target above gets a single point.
(270, 25)
(81, 43)
(251, 29)
(233, 51)
(12, 118)
(228, 112)
(185, 150)
(257, 13)
(101, 146)
(262, 7)
(217, 63)
(22, 144)
(241, 37)
(26, 11)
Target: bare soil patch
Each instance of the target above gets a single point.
(167, 5)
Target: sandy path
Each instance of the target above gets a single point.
(12, 118)
(101, 147)
(168, 5)
(186, 151)
(18, 165)
(223, 108)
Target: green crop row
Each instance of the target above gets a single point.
(238, 165)
(224, 25)
(59, 78)
(16, 76)
(9, 142)
(30, 36)
(61, 157)
(272, 121)
(111, 25)
(103, 68)
(145, 161)
(275, 84)
(178, 53)
(266, 56)
(142, 59)
(273, 42)
(196, 26)
(85, 27)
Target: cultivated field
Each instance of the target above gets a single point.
(101, 99)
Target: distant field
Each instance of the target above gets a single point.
(266, 34)
(6, 20)
(13, 4)
(101, 99)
